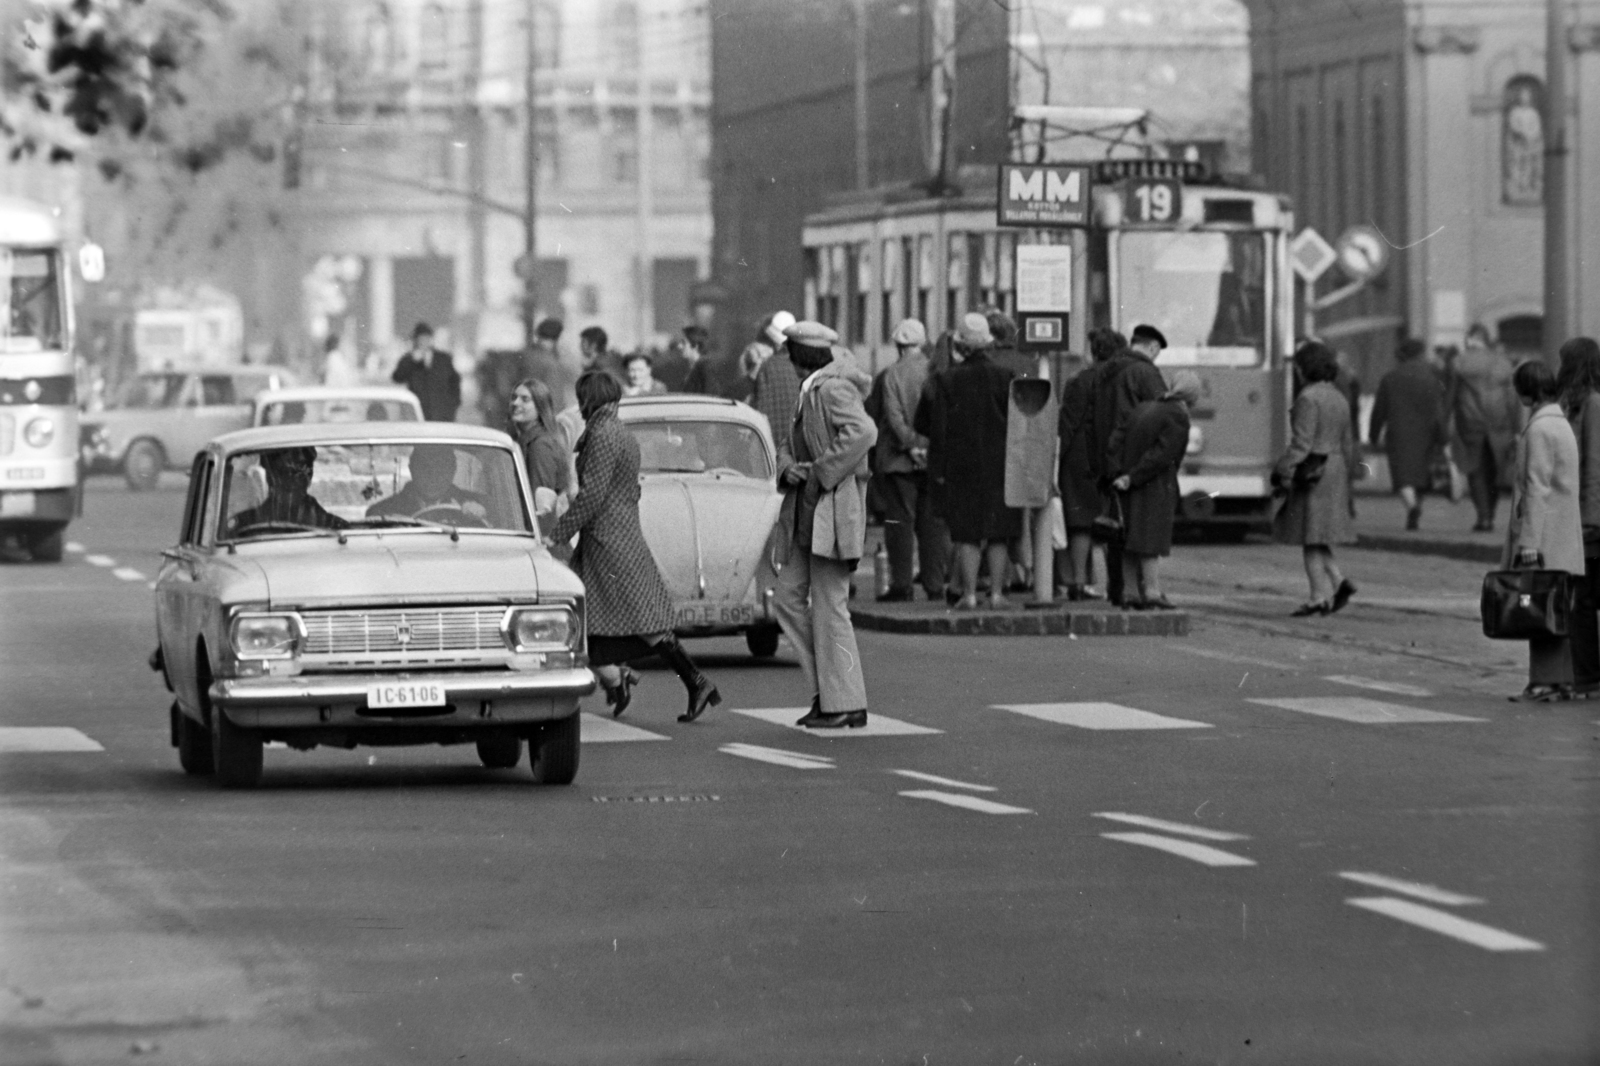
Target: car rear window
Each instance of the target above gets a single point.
(336, 409)
(685, 446)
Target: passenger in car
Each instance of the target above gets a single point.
(288, 472)
(432, 485)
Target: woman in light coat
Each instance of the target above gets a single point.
(1316, 516)
(1546, 524)
(1579, 378)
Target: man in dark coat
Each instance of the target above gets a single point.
(1004, 354)
(1408, 418)
(777, 392)
(1152, 449)
(912, 531)
(1077, 471)
(966, 427)
(1128, 379)
(431, 374)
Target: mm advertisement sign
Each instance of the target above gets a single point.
(1043, 195)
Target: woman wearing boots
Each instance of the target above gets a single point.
(629, 607)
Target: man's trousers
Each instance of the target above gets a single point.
(812, 602)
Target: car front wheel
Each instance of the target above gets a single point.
(500, 752)
(194, 744)
(48, 547)
(553, 752)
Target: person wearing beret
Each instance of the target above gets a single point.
(1129, 379)
(822, 525)
(911, 530)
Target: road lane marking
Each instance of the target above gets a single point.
(1099, 716)
(128, 573)
(935, 779)
(1362, 711)
(75, 548)
(1232, 657)
(99, 560)
(45, 738)
(1443, 922)
(1171, 827)
(1187, 849)
(778, 757)
(593, 729)
(877, 725)
(1393, 688)
(970, 803)
(1431, 893)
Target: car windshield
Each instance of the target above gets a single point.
(1205, 290)
(149, 392)
(274, 492)
(30, 301)
(336, 409)
(694, 447)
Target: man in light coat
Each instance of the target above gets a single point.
(822, 526)
(912, 531)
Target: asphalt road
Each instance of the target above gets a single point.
(1046, 850)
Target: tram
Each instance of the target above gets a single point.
(1204, 261)
(39, 473)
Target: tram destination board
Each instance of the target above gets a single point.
(1045, 195)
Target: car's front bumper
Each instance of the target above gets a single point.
(481, 699)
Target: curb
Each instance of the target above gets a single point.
(1024, 623)
(1447, 549)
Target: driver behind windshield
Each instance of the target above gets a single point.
(432, 485)
(288, 472)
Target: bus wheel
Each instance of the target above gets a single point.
(143, 464)
(48, 547)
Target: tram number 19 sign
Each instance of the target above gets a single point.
(1154, 201)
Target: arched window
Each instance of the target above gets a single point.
(1522, 142)
(433, 43)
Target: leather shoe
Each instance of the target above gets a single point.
(840, 720)
(897, 596)
(812, 716)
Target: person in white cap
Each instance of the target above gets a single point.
(912, 532)
(822, 527)
(777, 385)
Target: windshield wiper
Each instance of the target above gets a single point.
(407, 522)
(277, 525)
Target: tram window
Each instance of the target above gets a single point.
(925, 278)
(859, 259)
(889, 264)
(1206, 290)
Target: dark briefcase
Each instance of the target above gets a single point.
(1523, 604)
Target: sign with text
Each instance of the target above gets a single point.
(1154, 201)
(1044, 278)
(1043, 195)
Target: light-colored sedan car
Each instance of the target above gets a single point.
(161, 418)
(367, 584)
(329, 403)
(709, 499)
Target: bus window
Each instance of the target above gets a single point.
(30, 301)
(925, 276)
(1206, 290)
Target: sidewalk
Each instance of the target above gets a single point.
(1445, 530)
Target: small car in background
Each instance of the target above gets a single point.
(159, 419)
(328, 403)
(367, 584)
(708, 502)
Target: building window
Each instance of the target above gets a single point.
(378, 53)
(1522, 142)
(622, 33)
(547, 36)
(433, 45)
(624, 148)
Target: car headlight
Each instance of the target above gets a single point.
(1197, 441)
(543, 629)
(39, 432)
(265, 636)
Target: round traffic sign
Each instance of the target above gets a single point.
(1363, 252)
(522, 267)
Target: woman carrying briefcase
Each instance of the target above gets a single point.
(1546, 529)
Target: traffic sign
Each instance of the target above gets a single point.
(522, 267)
(1043, 195)
(1311, 256)
(1154, 200)
(1363, 253)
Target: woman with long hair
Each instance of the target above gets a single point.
(630, 610)
(1546, 525)
(1579, 379)
(1314, 476)
(534, 426)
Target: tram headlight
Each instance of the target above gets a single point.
(1197, 441)
(32, 391)
(39, 432)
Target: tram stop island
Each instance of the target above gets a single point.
(1021, 619)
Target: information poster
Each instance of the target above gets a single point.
(1044, 278)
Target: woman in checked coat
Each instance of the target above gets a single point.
(629, 608)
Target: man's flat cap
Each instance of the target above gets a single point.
(910, 333)
(811, 335)
(1142, 332)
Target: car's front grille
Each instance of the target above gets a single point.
(433, 636)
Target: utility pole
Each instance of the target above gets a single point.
(863, 174)
(530, 173)
(645, 207)
(477, 221)
(1557, 297)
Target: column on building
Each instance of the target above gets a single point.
(1441, 160)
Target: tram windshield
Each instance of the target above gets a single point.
(1205, 290)
(30, 301)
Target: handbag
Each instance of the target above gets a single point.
(1310, 470)
(1445, 477)
(1525, 604)
(1107, 527)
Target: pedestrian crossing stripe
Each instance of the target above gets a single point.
(964, 801)
(1393, 688)
(1446, 924)
(1362, 711)
(1187, 849)
(592, 729)
(878, 725)
(38, 739)
(795, 760)
(1103, 716)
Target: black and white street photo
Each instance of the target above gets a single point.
(733, 532)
